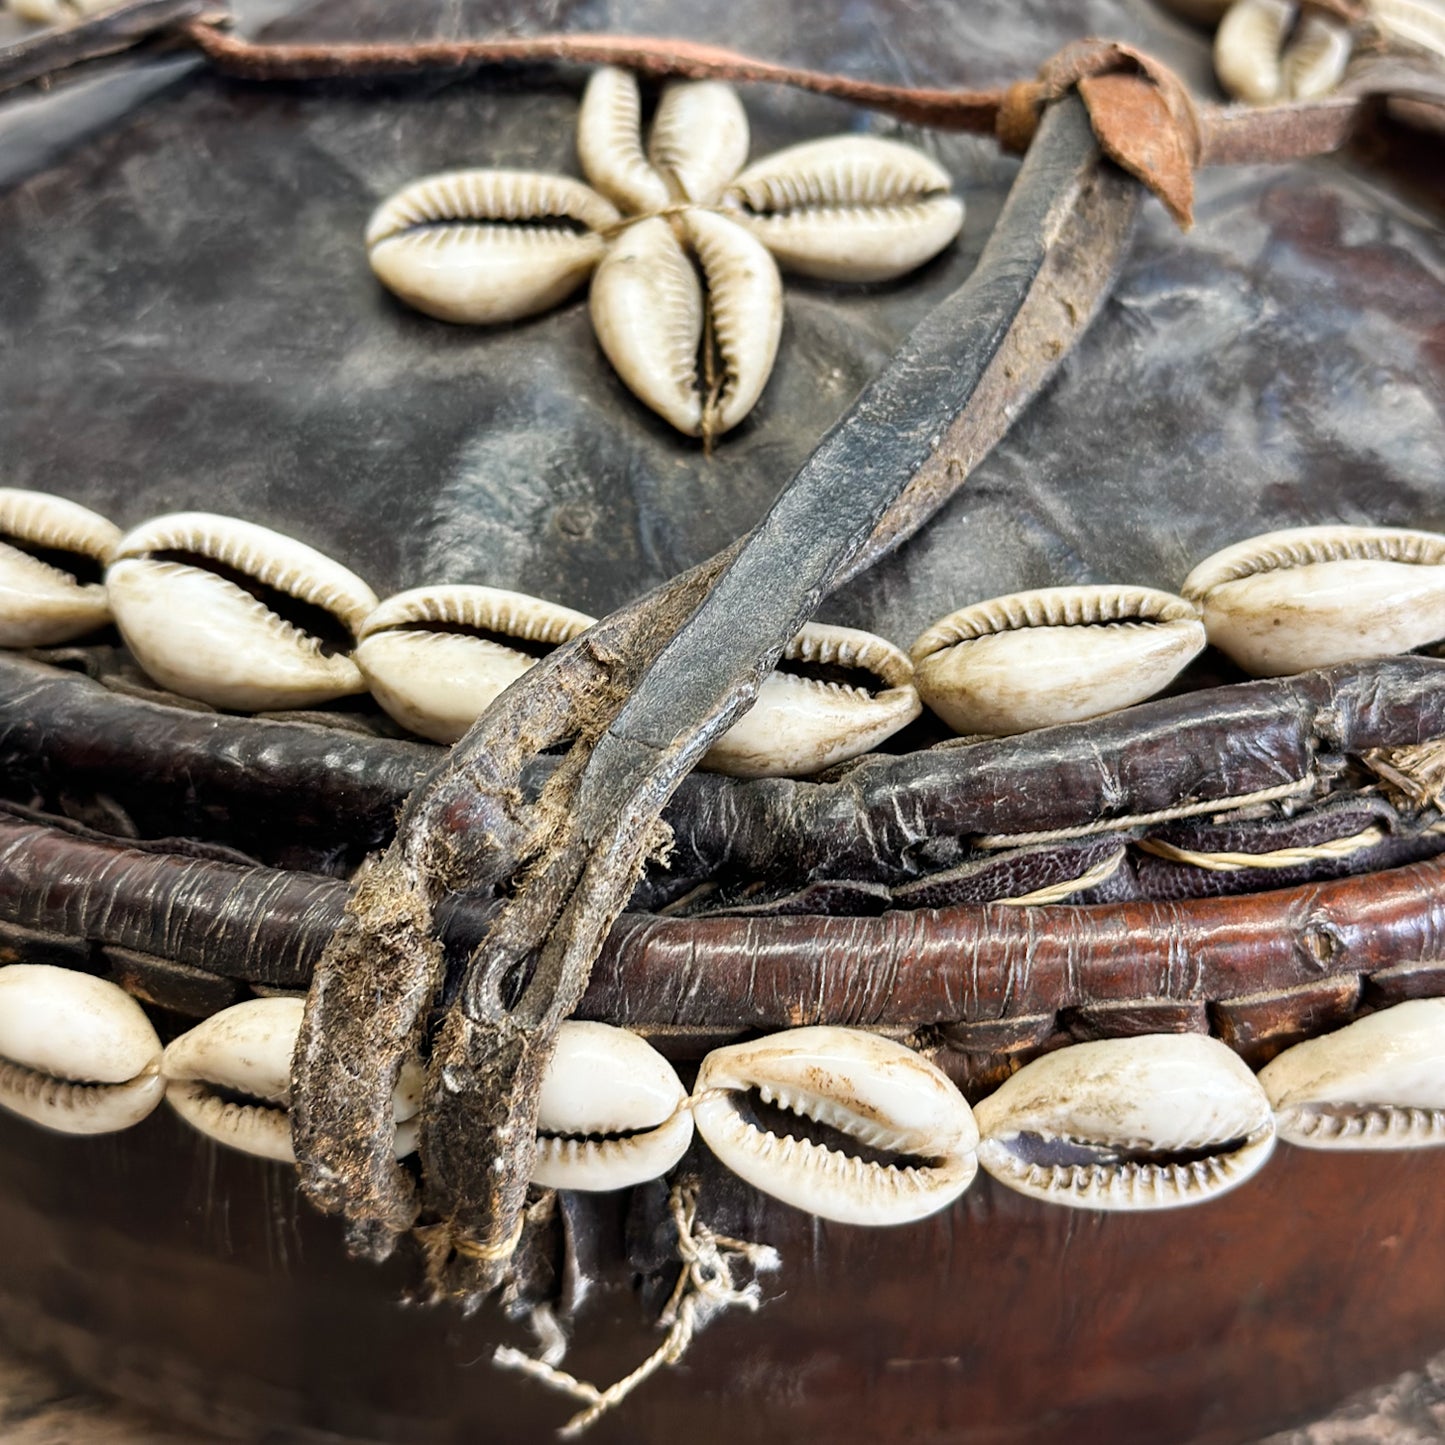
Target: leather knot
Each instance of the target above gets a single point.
(1018, 115)
(1142, 114)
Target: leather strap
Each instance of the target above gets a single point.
(186, 932)
(1141, 112)
(1227, 134)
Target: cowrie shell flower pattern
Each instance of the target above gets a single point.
(1269, 51)
(682, 243)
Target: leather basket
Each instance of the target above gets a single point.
(192, 325)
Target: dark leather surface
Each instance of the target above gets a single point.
(187, 320)
(1281, 364)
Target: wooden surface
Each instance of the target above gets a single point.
(37, 1409)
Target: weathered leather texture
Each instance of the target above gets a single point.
(188, 321)
(1205, 404)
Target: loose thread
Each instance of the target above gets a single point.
(704, 1289)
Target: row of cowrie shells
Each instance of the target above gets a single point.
(882, 1136)
(78, 1055)
(1278, 604)
(196, 597)
(244, 618)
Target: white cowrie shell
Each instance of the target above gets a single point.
(871, 1089)
(1315, 60)
(609, 143)
(1086, 1126)
(745, 301)
(1056, 655)
(802, 722)
(50, 548)
(203, 635)
(1247, 48)
(59, 12)
(488, 246)
(647, 310)
(851, 208)
(77, 1053)
(1378, 1083)
(699, 138)
(229, 1078)
(610, 1113)
(1310, 597)
(650, 306)
(436, 657)
(1419, 23)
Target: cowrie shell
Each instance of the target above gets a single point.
(194, 596)
(1378, 1083)
(488, 246)
(1247, 49)
(609, 144)
(59, 12)
(436, 657)
(1418, 23)
(850, 208)
(836, 693)
(1056, 655)
(665, 311)
(77, 1053)
(230, 1079)
(1261, 54)
(1315, 60)
(1093, 1126)
(611, 1111)
(53, 554)
(1310, 597)
(876, 1092)
(699, 139)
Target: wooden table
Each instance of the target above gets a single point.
(38, 1409)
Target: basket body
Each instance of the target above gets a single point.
(191, 324)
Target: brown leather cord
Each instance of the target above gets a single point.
(660, 58)
(1347, 12)
(1228, 134)
(1143, 115)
